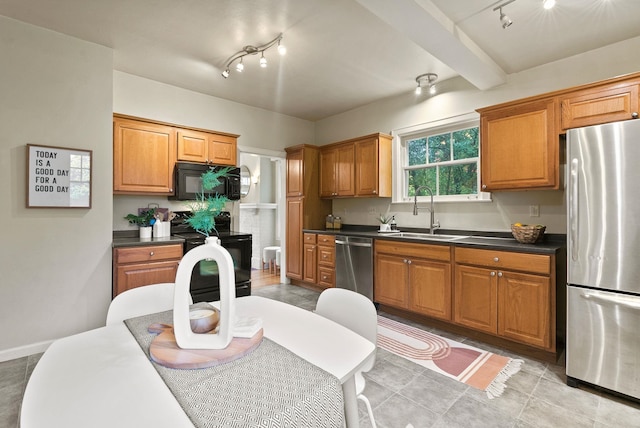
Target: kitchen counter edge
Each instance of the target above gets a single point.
(123, 239)
(551, 244)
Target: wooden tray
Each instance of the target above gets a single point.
(165, 351)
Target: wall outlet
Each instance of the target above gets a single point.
(534, 210)
(372, 211)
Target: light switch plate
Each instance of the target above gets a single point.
(534, 210)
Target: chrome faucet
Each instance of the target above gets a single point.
(433, 223)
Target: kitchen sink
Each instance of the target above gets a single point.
(426, 236)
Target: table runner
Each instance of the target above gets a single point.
(269, 387)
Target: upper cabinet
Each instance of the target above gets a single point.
(337, 164)
(144, 155)
(206, 147)
(520, 147)
(520, 140)
(373, 166)
(360, 167)
(601, 104)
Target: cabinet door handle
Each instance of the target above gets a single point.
(496, 259)
(493, 273)
(634, 115)
(500, 274)
(151, 253)
(375, 191)
(409, 261)
(404, 260)
(484, 186)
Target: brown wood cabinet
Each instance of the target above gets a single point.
(305, 209)
(520, 147)
(508, 294)
(416, 277)
(326, 260)
(337, 165)
(206, 147)
(144, 155)
(600, 104)
(137, 266)
(360, 167)
(520, 144)
(310, 267)
(373, 166)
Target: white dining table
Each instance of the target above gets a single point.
(102, 378)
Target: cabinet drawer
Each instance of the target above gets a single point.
(326, 256)
(535, 263)
(326, 276)
(423, 251)
(310, 238)
(150, 253)
(326, 240)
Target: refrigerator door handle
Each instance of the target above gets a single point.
(573, 209)
(627, 302)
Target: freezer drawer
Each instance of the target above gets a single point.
(603, 339)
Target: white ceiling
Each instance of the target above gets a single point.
(341, 53)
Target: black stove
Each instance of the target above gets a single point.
(205, 281)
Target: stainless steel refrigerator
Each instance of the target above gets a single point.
(603, 240)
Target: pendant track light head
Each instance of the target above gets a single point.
(504, 19)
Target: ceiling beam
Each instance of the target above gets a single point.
(423, 23)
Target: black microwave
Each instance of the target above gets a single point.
(188, 181)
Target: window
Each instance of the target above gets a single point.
(445, 158)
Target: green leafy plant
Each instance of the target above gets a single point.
(384, 219)
(144, 219)
(207, 206)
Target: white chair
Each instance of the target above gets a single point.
(141, 301)
(358, 314)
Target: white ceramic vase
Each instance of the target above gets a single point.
(145, 232)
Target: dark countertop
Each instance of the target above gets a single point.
(126, 238)
(503, 241)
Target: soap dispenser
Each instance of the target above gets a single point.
(393, 224)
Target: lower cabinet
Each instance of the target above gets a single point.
(319, 259)
(416, 277)
(502, 293)
(310, 251)
(137, 266)
(326, 260)
(506, 294)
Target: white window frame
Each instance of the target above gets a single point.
(399, 179)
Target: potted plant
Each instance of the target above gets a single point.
(384, 222)
(144, 220)
(207, 206)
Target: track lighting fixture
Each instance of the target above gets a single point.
(253, 50)
(504, 19)
(428, 80)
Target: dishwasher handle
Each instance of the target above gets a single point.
(361, 242)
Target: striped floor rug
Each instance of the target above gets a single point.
(472, 366)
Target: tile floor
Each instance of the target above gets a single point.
(403, 393)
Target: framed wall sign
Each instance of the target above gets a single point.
(58, 177)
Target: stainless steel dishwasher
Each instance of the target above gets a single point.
(354, 264)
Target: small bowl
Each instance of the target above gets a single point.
(204, 320)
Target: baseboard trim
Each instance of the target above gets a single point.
(23, 351)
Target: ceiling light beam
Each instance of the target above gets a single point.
(423, 23)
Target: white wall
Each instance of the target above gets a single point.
(55, 264)
(457, 97)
